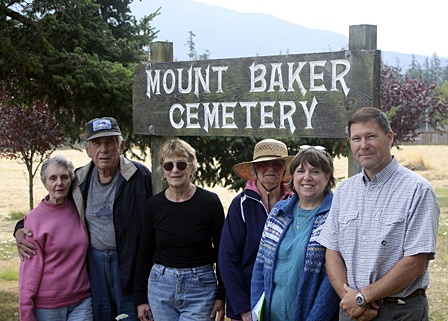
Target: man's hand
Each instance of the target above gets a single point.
(348, 303)
(218, 308)
(369, 314)
(24, 248)
(354, 311)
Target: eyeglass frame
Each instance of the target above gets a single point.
(172, 164)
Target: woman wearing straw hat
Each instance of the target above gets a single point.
(266, 177)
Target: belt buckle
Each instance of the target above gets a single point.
(401, 302)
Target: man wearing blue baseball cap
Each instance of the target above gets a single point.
(110, 194)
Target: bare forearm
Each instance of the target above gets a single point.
(399, 277)
(336, 271)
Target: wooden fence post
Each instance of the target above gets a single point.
(159, 52)
(361, 37)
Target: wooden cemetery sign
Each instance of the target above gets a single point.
(306, 95)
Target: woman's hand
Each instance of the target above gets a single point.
(218, 308)
(144, 312)
(246, 316)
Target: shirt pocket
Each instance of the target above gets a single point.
(347, 225)
(347, 217)
(388, 218)
(392, 228)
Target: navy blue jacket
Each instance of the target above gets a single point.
(238, 249)
(132, 192)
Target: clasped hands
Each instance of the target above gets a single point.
(354, 311)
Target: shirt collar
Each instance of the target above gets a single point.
(383, 175)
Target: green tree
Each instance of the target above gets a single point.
(217, 155)
(414, 71)
(435, 72)
(77, 55)
(191, 46)
(192, 54)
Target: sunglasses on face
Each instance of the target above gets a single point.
(168, 166)
(273, 163)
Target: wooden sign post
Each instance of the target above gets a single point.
(306, 95)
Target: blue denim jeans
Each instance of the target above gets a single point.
(107, 298)
(181, 294)
(81, 311)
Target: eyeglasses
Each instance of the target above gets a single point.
(168, 166)
(273, 163)
(321, 148)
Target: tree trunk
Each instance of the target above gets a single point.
(30, 185)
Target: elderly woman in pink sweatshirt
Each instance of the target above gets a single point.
(54, 285)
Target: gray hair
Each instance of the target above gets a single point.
(58, 161)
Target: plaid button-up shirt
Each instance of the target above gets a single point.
(374, 224)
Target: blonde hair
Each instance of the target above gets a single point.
(180, 148)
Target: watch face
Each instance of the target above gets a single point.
(359, 299)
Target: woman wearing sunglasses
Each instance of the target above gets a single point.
(175, 277)
(289, 271)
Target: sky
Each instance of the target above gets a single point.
(403, 26)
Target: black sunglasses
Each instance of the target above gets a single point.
(168, 166)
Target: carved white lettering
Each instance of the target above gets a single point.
(204, 82)
(287, 116)
(260, 78)
(335, 77)
(152, 84)
(189, 117)
(293, 76)
(314, 75)
(248, 105)
(226, 114)
(266, 115)
(211, 117)
(219, 70)
(180, 123)
(192, 116)
(276, 78)
(308, 113)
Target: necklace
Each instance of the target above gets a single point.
(311, 213)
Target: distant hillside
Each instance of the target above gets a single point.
(229, 34)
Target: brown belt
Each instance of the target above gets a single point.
(397, 299)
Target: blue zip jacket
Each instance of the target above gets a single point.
(316, 300)
(239, 245)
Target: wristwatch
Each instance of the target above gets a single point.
(360, 300)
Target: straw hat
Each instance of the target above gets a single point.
(265, 150)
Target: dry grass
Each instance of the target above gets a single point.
(429, 161)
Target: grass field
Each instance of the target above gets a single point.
(431, 162)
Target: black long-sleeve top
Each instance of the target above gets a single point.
(179, 235)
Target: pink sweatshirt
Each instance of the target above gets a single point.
(57, 275)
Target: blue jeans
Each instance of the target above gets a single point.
(81, 311)
(181, 294)
(107, 298)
